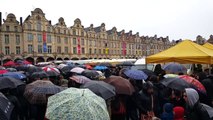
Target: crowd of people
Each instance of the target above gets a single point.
(150, 99)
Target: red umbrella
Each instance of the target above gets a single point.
(194, 82)
(9, 63)
(122, 85)
(3, 71)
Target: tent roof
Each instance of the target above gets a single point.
(208, 45)
(184, 52)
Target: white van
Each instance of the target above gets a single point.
(141, 64)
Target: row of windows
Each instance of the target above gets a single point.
(14, 29)
(7, 39)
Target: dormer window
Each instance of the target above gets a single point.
(7, 28)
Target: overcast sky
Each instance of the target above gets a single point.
(177, 19)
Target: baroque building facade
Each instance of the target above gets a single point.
(37, 40)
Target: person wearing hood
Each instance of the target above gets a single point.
(167, 112)
(195, 109)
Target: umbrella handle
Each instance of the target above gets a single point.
(83, 93)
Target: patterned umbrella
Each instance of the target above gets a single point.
(80, 79)
(101, 89)
(9, 82)
(34, 98)
(76, 104)
(136, 74)
(175, 68)
(6, 108)
(78, 70)
(122, 86)
(46, 69)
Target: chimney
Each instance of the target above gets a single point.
(0, 19)
(50, 22)
(21, 21)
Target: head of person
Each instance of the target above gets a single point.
(168, 107)
(148, 87)
(178, 113)
(191, 97)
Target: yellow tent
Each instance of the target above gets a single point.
(184, 52)
(208, 45)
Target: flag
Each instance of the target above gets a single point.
(45, 47)
(44, 37)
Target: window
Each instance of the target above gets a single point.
(18, 50)
(30, 36)
(58, 39)
(90, 42)
(29, 26)
(39, 38)
(7, 50)
(39, 26)
(82, 41)
(65, 32)
(49, 49)
(49, 39)
(74, 50)
(16, 28)
(30, 48)
(104, 51)
(48, 29)
(66, 50)
(82, 50)
(39, 48)
(7, 28)
(58, 30)
(90, 51)
(66, 40)
(99, 51)
(74, 32)
(95, 52)
(74, 41)
(82, 33)
(58, 49)
(17, 39)
(6, 39)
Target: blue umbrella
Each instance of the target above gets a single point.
(136, 74)
(100, 67)
(174, 68)
(16, 75)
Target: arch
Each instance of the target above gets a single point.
(99, 58)
(30, 59)
(38, 10)
(83, 58)
(50, 59)
(66, 58)
(59, 59)
(75, 58)
(91, 58)
(11, 15)
(6, 60)
(40, 59)
(17, 59)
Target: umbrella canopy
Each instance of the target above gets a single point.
(91, 74)
(23, 62)
(2, 68)
(100, 68)
(170, 75)
(32, 69)
(107, 64)
(16, 75)
(11, 69)
(147, 72)
(47, 89)
(136, 74)
(126, 63)
(76, 104)
(174, 68)
(101, 89)
(9, 82)
(3, 71)
(194, 83)
(39, 75)
(122, 86)
(77, 70)
(52, 73)
(35, 98)
(9, 64)
(46, 69)
(60, 66)
(175, 83)
(6, 108)
(66, 69)
(80, 79)
(208, 45)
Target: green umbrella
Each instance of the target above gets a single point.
(76, 104)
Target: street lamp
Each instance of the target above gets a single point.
(23, 55)
(55, 55)
(12, 55)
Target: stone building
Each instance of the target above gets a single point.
(37, 39)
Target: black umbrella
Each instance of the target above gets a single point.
(39, 75)
(175, 83)
(52, 73)
(101, 89)
(32, 69)
(66, 69)
(9, 82)
(47, 89)
(126, 63)
(148, 72)
(6, 108)
(91, 74)
(22, 68)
